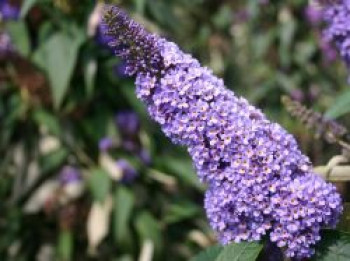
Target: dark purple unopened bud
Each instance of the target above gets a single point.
(128, 123)
(130, 145)
(8, 10)
(129, 172)
(103, 39)
(105, 144)
(329, 52)
(145, 156)
(337, 16)
(297, 95)
(120, 70)
(69, 175)
(313, 15)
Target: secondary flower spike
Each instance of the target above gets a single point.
(259, 181)
(337, 16)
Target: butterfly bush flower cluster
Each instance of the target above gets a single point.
(8, 10)
(314, 15)
(259, 183)
(336, 14)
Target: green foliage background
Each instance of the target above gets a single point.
(66, 89)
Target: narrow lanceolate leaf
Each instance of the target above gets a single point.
(209, 254)
(123, 204)
(57, 56)
(246, 251)
(335, 245)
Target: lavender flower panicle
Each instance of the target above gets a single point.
(129, 172)
(105, 144)
(69, 175)
(254, 169)
(337, 16)
(8, 11)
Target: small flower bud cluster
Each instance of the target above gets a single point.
(329, 129)
(259, 183)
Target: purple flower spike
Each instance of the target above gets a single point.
(253, 167)
(129, 172)
(337, 16)
(105, 144)
(8, 11)
(120, 70)
(69, 175)
(128, 123)
(313, 15)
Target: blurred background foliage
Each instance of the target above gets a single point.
(85, 174)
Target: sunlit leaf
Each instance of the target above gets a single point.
(58, 56)
(209, 254)
(245, 251)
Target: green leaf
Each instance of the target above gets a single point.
(26, 6)
(65, 245)
(210, 254)
(335, 245)
(43, 117)
(148, 228)
(340, 106)
(53, 160)
(99, 184)
(58, 56)
(183, 169)
(19, 36)
(124, 201)
(245, 251)
(181, 211)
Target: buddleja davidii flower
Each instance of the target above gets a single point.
(337, 17)
(244, 158)
(8, 10)
(290, 211)
(300, 211)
